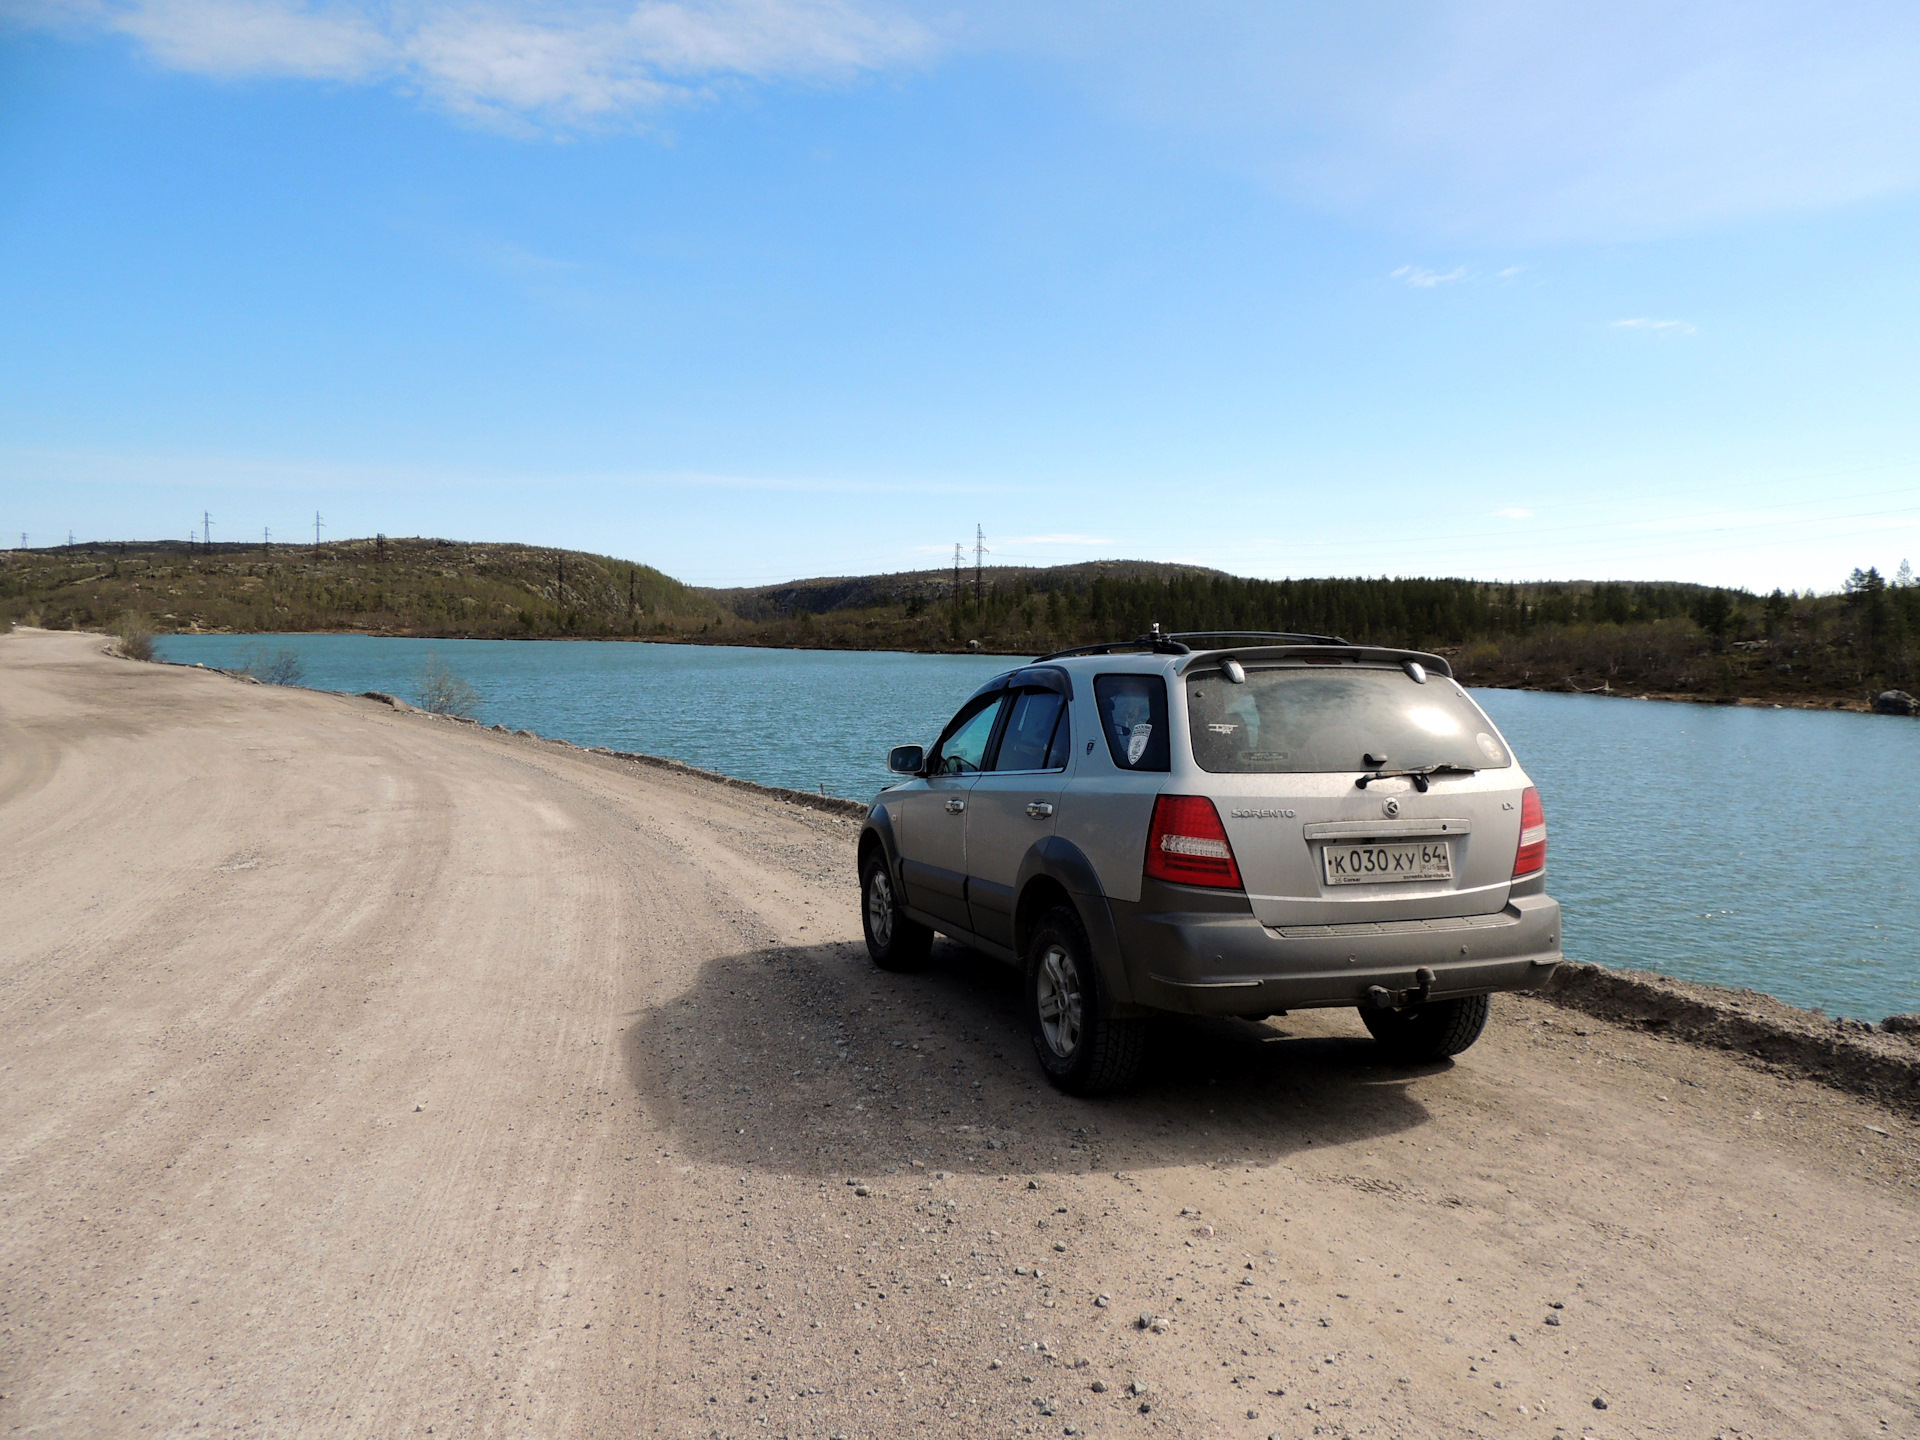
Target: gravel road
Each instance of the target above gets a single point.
(371, 1075)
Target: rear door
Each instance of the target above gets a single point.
(1281, 754)
(1012, 804)
(930, 824)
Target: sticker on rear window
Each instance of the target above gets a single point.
(1137, 742)
(1490, 748)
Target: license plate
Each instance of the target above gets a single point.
(1375, 863)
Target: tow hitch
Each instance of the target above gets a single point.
(1382, 998)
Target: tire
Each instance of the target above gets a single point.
(1433, 1031)
(1082, 1050)
(895, 942)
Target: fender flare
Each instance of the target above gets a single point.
(879, 824)
(1062, 862)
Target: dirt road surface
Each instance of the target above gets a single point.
(372, 1075)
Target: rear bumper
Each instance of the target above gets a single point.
(1209, 963)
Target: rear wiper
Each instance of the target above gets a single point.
(1418, 774)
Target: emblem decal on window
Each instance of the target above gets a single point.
(1137, 742)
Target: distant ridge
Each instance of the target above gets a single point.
(829, 593)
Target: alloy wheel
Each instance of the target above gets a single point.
(880, 908)
(1057, 992)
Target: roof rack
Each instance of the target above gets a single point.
(1153, 640)
(1160, 643)
(1283, 635)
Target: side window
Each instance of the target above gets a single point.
(1133, 713)
(1033, 734)
(963, 750)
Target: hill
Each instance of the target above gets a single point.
(382, 586)
(864, 592)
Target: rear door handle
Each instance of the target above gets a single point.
(956, 805)
(1039, 809)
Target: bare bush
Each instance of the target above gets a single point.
(441, 692)
(283, 667)
(133, 636)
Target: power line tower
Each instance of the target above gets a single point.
(957, 552)
(206, 531)
(266, 539)
(979, 552)
(316, 534)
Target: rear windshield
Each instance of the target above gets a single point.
(1295, 719)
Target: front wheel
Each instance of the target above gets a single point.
(1082, 1050)
(1433, 1031)
(894, 941)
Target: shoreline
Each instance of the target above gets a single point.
(1826, 701)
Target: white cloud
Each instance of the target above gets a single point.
(1518, 120)
(1657, 327)
(1528, 120)
(514, 60)
(233, 37)
(1422, 279)
(1514, 512)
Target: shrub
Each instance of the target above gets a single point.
(283, 667)
(286, 668)
(134, 636)
(441, 692)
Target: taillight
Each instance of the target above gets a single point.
(1187, 844)
(1531, 855)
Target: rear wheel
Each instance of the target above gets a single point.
(1429, 1032)
(1082, 1050)
(894, 941)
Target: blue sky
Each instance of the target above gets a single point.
(756, 290)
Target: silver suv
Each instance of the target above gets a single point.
(1181, 824)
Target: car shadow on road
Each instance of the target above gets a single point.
(807, 1060)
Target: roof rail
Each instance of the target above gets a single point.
(1258, 635)
(1160, 643)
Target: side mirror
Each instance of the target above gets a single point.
(907, 759)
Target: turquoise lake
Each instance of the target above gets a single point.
(1773, 849)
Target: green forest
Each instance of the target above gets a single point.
(1840, 647)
